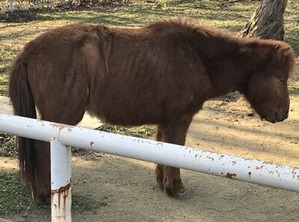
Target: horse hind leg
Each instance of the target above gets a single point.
(160, 172)
(68, 115)
(42, 190)
(169, 178)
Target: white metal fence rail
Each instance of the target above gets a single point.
(59, 135)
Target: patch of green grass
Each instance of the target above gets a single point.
(14, 196)
(26, 15)
(293, 90)
(140, 131)
(7, 145)
(291, 21)
(3, 84)
(81, 204)
(6, 56)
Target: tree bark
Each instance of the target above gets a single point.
(267, 21)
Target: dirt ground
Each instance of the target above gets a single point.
(130, 193)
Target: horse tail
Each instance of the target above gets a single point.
(23, 105)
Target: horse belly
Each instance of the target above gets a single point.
(130, 112)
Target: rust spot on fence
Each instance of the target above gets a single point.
(91, 146)
(221, 157)
(259, 167)
(231, 175)
(210, 158)
(62, 193)
(61, 126)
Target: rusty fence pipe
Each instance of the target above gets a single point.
(250, 170)
(245, 169)
(60, 182)
(232, 167)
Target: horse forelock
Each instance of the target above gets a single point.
(286, 55)
(283, 56)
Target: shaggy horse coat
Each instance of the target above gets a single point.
(159, 74)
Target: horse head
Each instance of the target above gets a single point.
(267, 90)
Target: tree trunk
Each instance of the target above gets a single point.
(267, 21)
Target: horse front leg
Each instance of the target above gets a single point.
(169, 178)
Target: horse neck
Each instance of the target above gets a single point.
(231, 73)
(231, 61)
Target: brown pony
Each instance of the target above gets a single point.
(160, 74)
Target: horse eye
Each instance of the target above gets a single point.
(284, 82)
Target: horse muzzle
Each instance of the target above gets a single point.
(277, 116)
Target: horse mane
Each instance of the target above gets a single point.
(198, 34)
(208, 39)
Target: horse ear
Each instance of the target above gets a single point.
(282, 50)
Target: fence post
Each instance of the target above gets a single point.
(60, 182)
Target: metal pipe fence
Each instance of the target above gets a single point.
(61, 135)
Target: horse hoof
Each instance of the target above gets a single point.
(183, 195)
(179, 193)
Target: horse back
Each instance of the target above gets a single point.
(150, 76)
(122, 76)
